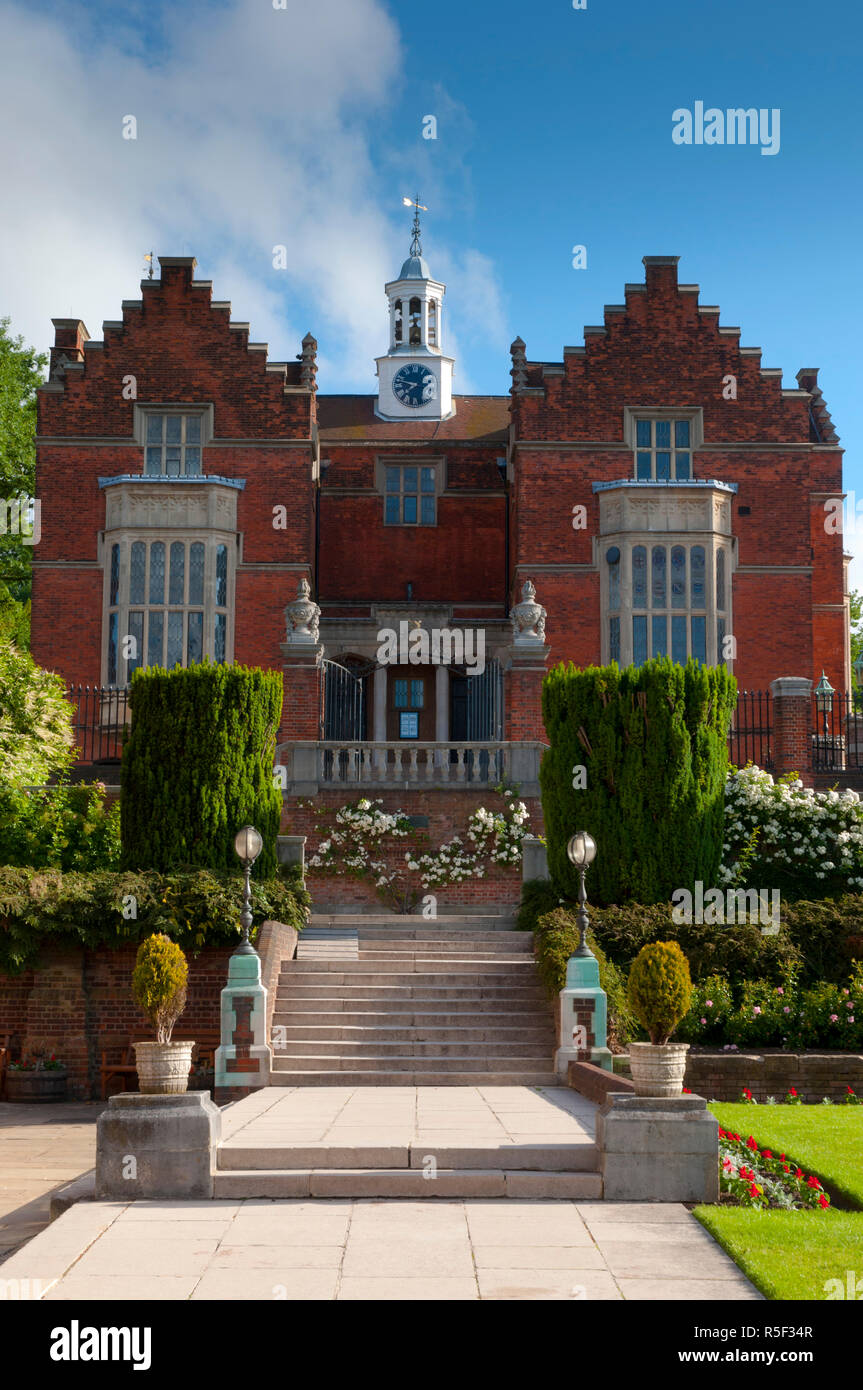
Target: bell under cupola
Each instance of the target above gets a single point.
(415, 378)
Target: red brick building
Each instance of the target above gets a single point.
(659, 487)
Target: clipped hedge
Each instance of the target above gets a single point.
(197, 908)
(198, 766)
(556, 939)
(653, 743)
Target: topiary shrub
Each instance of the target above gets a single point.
(159, 983)
(660, 989)
(653, 744)
(198, 765)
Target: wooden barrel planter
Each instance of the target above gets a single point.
(36, 1086)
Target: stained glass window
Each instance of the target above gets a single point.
(115, 575)
(720, 580)
(613, 558)
(639, 640)
(678, 576)
(614, 639)
(195, 650)
(657, 590)
(639, 576)
(696, 570)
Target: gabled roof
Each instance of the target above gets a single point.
(477, 419)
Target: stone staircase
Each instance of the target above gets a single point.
(456, 1002)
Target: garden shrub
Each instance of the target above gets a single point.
(653, 743)
(159, 983)
(710, 1009)
(808, 845)
(659, 989)
(66, 827)
(538, 896)
(198, 766)
(556, 939)
(36, 736)
(196, 909)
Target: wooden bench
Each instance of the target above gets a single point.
(121, 1065)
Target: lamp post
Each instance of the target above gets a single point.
(824, 693)
(581, 852)
(248, 843)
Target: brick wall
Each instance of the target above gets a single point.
(77, 1003)
(721, 1076)
(447, 813)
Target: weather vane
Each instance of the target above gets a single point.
(150, 257)
(418, 207)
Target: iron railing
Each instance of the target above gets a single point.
(837, 732)
(99, 725)
(750, 739)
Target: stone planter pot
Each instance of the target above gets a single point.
(658, 1068)
(163, 1068)
(36, 1086)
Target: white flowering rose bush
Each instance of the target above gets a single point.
(354, 837)
(780, 834)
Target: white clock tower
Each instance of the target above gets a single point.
(415, 379)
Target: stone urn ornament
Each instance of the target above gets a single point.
(302, 617)
(528, 617)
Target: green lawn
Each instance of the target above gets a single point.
(793, 1254)
(789, 1254)
(826, 1140)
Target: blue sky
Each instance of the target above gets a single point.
(303, 127)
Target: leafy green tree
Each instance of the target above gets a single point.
(21, 372)
(36, 736)
(856, 620)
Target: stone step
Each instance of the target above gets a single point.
(435, 945)
(349, 1008)
(411, 921)
(353, 1029)
(504, 940)
(470, 1059)
(437, 954)
(386, 995)
(406, 1182)
(346, 1050)
(543, 1077)
(543, 1158)
(395, 972)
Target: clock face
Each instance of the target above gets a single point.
(414, 385)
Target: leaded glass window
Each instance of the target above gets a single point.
(167, 605)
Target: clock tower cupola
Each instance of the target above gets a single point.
(415, 378)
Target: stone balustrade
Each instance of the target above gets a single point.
(309, 767)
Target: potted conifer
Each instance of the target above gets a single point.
(659, 990)
(159, 987)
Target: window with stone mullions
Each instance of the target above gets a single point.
(173, 445)
(662, 450)
(160, 597)
(410, 495)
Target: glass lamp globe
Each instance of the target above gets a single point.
(824, 693)
(248, 843)
(581, 849)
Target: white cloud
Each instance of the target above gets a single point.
(253, 130)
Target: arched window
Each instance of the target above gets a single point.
(432, 323)
(397, 320)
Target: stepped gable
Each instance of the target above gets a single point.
(660, 334)
(179, 345)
